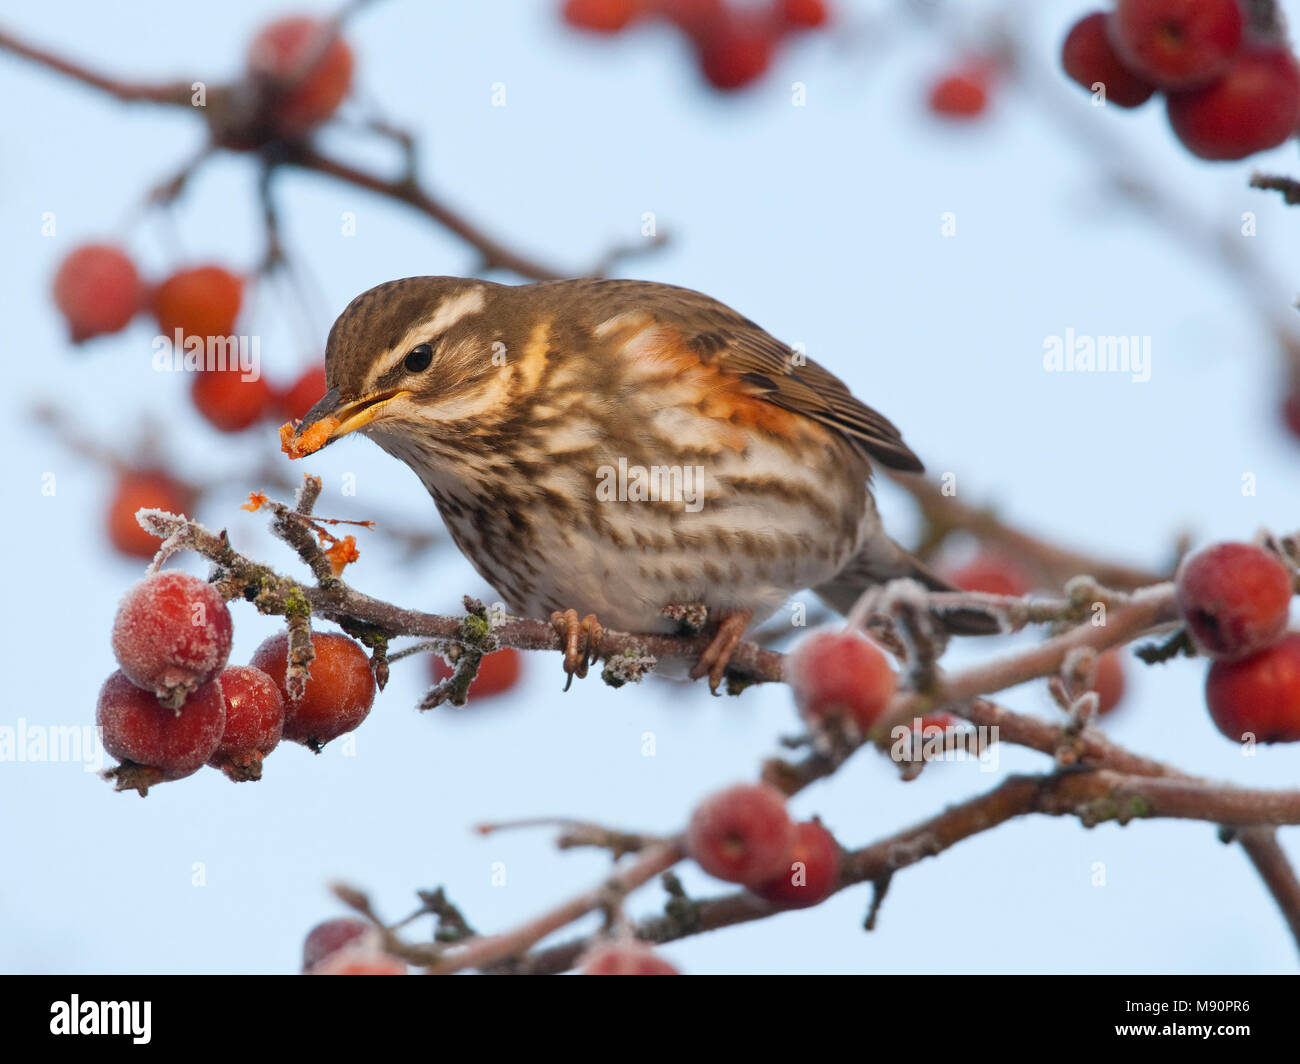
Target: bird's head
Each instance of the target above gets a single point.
(416, 357)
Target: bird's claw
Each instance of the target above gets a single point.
(717, 654)
(581, 639)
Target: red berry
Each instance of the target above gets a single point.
(742, 834)
(624, 957)
(1089, 57)
(1291, 413)
(992, 574)
(143, 489)
(254, 721)
(497, 672)
(340, 687)
(203, 301)
(1253, 107)
(294, 402)
(330, 936)
(736, 56)
(963, 93)
(1258, 695)
(172, 633)
(360, 962)
(1109, 682)
(277, 54)
(139, 729)
(1178, 44)
(1234, 599)
(841, 677)
(98, 291)
(228, 401)
(601, 16)
(813, 873)
(801, 14)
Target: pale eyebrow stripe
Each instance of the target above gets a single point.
(450, 311)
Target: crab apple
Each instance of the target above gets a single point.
(624, 957)
(1178, 44)
(497, 672)
(813, 872)
(279, 52)
(992, 574)
(137, 728)
(736, 55)
(1088, 57)
(254, 721)
(360, 961)
(228, 400)
(340, 687)
(1258, 695)
(1109, 682)
(143, 489)
(330, 936)
(1291, 413)
(171, 634)
(1234, 598)
(601, 16)
(293, 402)
(201, 301)
(801, 14)
(1253, 107)
(962, 93)
(742, 834)
(840, 676)
(97, 290)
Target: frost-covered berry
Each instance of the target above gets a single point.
(841, 678)
(360, 961)
(1234, 598)
(172, 634)
(139, 730)
(742, 834)
(340, 687)
(329, 937)
(624, 957)
(812, 873)
(254, 721)
(1258, 695)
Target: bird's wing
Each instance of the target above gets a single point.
(764, 366)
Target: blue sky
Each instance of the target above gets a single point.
(824, 223)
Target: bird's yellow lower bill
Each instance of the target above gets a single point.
(300, 444)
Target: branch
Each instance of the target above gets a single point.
(175, 93)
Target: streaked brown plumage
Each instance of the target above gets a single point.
(535, 404)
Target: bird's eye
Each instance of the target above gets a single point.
(418, 359)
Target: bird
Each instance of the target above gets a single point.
(621, 453)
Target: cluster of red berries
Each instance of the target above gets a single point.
(744, 835)
(175, 704)
(99, 290)
(1229, 93)
(1235, 600)
(733, 45)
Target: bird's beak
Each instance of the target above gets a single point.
(331, 418)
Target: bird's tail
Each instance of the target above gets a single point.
(872, 567)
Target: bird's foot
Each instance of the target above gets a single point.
(717, 654)
(581, 639)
